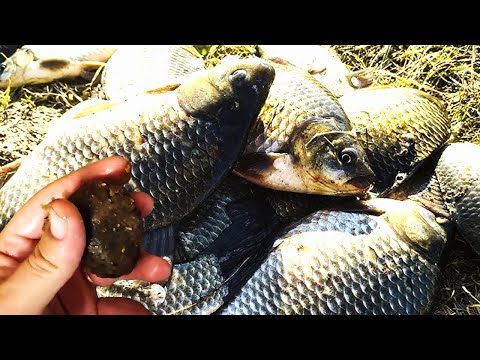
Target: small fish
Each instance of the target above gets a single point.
(182, 140)
(137, 68)
(41, 64)
(323, 63)
(303, 141)
(398, 128)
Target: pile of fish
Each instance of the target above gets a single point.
(283, 183)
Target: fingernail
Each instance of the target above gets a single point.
(168, 260)
(128, 168)
(85, 273)
(58, 225)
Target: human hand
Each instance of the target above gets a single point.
(40, 270)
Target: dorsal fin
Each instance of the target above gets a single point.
(163, 89)
(95, 108)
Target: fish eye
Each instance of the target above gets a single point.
(2, 67)
(238, 77)
(348, 156)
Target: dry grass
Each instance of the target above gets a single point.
(450, 73)
(213, 54)
(25, 114)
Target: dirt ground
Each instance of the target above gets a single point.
(450, 73)
(26, 114)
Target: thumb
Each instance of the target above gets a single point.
(52, 263)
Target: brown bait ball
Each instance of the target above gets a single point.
(113, 226)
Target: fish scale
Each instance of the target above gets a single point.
(150, 67)
(294, 97)
(458, 173)
(201, 228)
(303, 141)
(192, 153)
(376, 297)
(398, 128)
(320, 268)
(351, 223)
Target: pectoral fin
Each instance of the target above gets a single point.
(271, 170)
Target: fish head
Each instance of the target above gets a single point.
(229, 97)
(330, 162)
(232, 92)
(416, 226)
(12, 70)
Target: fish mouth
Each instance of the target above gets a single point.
(362, 183)
(357, 186)
(266, 78)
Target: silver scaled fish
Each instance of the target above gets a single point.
(41, 64)
(149, 67)
(181, 140)
(304, 142)
(398, 128)
(323, 63)
(330, 262)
